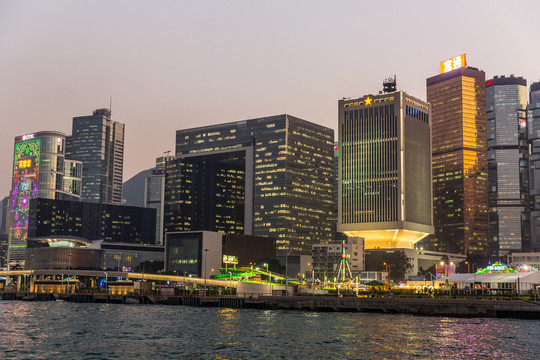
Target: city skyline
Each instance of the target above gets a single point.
(193, 64)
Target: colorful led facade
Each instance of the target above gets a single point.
(385, 170)
(38, 172)
(24, 188)
(460, 194)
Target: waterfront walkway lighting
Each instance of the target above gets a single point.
(205, 257)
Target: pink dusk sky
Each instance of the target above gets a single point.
(170, 65)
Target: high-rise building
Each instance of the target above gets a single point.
(72, 183)
(208, 191)
(98, 142)
(38, 171)
(460, 197)
(291, 170)
(533, 137)
(154, 195)
(506, 103)
(385, 170)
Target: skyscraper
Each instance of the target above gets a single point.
(209, 191)
(38, 171)
(385, 170)
(291, 170)
(533, 137)
(507, 163)
(460, 199)
(98, 142)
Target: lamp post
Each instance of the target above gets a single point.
(69, 270)
(230, 282)
(266, 264)
(468, 267)
(286, 269)
(118, 264)
(185, 284)
(205, 257)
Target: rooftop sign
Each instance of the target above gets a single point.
(453, 63)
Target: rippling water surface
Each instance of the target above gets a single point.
(61, 330)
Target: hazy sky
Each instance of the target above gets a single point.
(170, 65)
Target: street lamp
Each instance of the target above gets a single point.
(185, 284)
(119, 257)
(205, 256)
(286, 269)
(69, 270)
(266, 264)
(386, 266)
(230, 282)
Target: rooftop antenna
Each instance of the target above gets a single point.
(390, 84)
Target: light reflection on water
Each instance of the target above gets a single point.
(61, 330)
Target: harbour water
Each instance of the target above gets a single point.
(63, 330)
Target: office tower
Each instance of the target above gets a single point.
(209, 191)
(533, 137)
(506, 103)
(385, 170)
(460, 199)
(98, 142)
(5, 215)
(291, 170)
(38, 171)
(338, 236)
(72, 183)
(154, 195)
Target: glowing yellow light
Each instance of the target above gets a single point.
(453, 63)
(367, 100)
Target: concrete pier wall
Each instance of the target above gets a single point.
(414, 306)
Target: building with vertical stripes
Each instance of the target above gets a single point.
(508, 157)
(385, 193)
(460, 182)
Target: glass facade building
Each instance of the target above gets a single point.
(460, 196)
(291, 171)
(72, 183)
(207, 192)
(38, 172)
(385, 170)
(506, 103)
(155, 198)
(98, 142)
(533, 137)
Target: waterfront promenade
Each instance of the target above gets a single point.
(520, 309)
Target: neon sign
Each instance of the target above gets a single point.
(453, 63)
(497, 268)
(24, 188)
(28, 137)
(489, 83)
(368, 100)
(229, 259)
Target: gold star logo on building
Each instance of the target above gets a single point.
(367, 100)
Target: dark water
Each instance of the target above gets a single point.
(61, 330)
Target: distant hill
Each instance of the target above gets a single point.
(133, 189)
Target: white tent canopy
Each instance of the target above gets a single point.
(527, 280)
